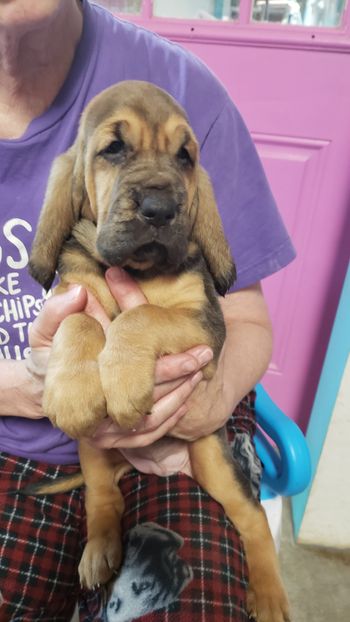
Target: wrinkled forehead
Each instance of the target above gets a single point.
(146, 117)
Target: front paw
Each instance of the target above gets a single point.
(128, 398)
(128, 390)
(101, 558)
(74, 402)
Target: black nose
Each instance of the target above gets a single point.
(158, 209)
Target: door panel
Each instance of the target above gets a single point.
(296, 103)
(299, 165)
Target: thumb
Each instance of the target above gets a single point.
(124, 289)
(54, 311)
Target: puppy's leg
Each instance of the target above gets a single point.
(104, 504)
(135, 339)
(214, 470)
(73, 396)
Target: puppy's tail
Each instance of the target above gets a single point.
(62, 484)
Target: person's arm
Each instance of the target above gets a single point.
(20, 393)
(22, 381)
(243, 361)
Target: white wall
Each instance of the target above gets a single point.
(326, 521)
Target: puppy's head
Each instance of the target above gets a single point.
(134, 171)
(141, 161)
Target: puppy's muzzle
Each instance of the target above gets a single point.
(159, 208)
(157, 232)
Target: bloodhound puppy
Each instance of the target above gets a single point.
(130, 192)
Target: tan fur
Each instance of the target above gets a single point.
(207, 228)
(267, 601)
(73, 397)
(104, 503)
(91, 374)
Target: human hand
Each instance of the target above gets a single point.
(210, 406)
(22, 381)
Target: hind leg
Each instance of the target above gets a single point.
(104, 504)
(216, 473)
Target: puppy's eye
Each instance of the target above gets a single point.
(114, 148)
(184, 157)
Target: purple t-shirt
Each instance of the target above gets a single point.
(112, 50)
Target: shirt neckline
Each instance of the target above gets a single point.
(84, 58)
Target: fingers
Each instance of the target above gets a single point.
(153, 435)
(170, 403)
(124, 289)
(53, 313)
(95, 310)
(160, 390)
(111, 437)
(172, 370)
(175, 366)
(165, 414)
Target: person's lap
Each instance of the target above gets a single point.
(182, 558)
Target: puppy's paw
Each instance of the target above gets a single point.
(127, 399)
(128, 390)
(73, 399)
(129, 411)
(268, 602)
(101, 558)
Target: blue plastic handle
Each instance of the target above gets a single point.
(287, 465)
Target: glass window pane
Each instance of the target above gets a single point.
(122, 6)
(197, 9)
(326, 13)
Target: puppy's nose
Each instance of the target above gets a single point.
(158, 210)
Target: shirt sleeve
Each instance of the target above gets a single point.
(253, 227)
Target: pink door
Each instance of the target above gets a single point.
(288, 70)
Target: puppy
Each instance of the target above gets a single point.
(130, 192)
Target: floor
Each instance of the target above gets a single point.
(317, 580)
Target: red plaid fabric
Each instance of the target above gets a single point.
(211, 547)
(42, 538)
(41, 542)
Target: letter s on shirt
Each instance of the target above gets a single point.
(22, 259)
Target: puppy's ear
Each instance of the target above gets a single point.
(61, 209)
(208, 232)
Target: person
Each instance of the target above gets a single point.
(55, 55)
